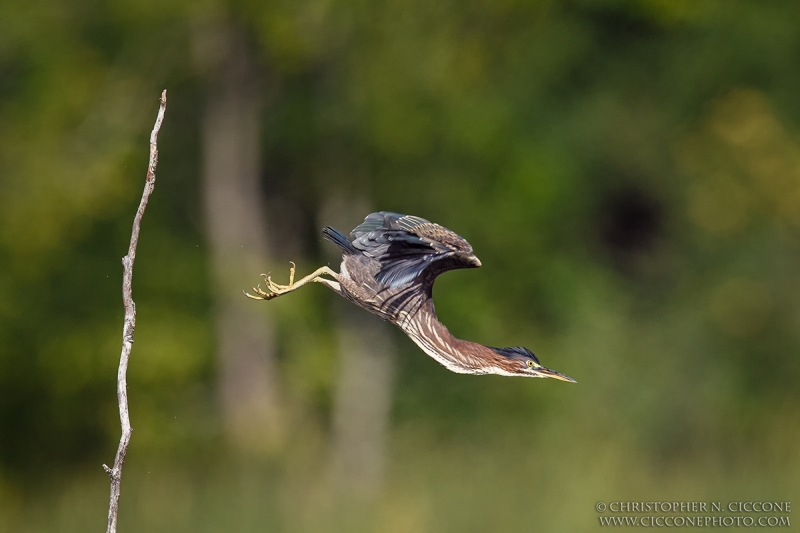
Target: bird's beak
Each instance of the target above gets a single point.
(547, 373)
(475, 261)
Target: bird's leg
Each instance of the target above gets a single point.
(276, 289)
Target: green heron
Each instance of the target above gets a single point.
(389, 264)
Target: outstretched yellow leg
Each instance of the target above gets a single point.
(275, 289)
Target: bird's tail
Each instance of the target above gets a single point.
(339, 239)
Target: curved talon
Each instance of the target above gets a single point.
(260, 294)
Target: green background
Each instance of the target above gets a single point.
(628, 172)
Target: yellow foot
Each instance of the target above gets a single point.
(275, 289)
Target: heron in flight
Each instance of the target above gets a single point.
(389, 264)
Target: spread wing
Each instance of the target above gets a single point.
(407, 245)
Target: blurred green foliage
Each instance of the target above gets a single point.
(627, 171)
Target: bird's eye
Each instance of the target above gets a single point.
(530, 363)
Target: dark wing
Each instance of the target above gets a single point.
(339, 239)
(407, 245)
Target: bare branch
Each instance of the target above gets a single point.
(129, 325)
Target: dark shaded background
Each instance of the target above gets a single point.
(627, 171)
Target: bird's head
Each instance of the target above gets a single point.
(519, 361)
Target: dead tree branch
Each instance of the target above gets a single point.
(129, 325)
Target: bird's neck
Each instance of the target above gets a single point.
(433, 337)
